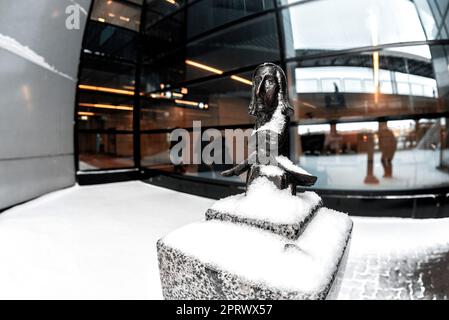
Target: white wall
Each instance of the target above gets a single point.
(39, 60)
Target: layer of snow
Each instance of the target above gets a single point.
(290, 166)
(399, 236)
(264, 201)
(276, 123)
(261, 256)
(99, 242)
(271, 171)
(13, 46)
(92, 242)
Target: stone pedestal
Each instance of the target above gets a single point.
(240, 254)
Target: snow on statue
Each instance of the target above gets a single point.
(270, 106)
(267, 243)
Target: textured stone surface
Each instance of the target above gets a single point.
(184, 275)
(290, 231)
(186, 278)
(414, 276)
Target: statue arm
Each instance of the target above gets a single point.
(241, 167)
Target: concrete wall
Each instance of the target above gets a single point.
(39, 58)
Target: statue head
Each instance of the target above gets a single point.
(269, 91)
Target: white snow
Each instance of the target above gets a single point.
(271, 171)
(260, 256)
(93, 242)
(13, 46)
(99, 242)
(399, 236)
(264, 201)
(276, 123)
(289, 165)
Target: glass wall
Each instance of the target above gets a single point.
(106, 97)
(369, 82)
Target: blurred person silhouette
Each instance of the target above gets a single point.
(387, 146)
(336, 100)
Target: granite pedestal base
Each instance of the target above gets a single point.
(218, 259)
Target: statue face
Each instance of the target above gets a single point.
(266, 90)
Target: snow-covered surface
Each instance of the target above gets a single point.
(290, 166)
(87, 166)
(271, 171)
(263, 201)
(261, 256)
(13, 46)
(399, 236)
(276, 123)
(93, 242)
(99, 242)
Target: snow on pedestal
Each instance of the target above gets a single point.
(265, 244)
(266, 207)
(223, 260)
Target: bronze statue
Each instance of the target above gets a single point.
(270, 105)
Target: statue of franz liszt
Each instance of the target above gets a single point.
(268, 143)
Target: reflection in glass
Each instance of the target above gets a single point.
(373, 84)
(248, 43)
(104, 112)
(347, 24)
(216, 102)
(406, 154)
(158, 9)
(108, 41)
(105, 151)
(106, 73)
(444, 160)
(205, 15)
(117, 13)
(156, 149)
(164, 37)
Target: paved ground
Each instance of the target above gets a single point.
(98, 242)
(394, 277)
(410, 260)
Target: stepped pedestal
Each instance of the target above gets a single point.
(266, 244)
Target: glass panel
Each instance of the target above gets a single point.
(117, 13)
(109, 41)
(393, 155)
(155, 151)
(205, 15)
(110, 74)
(219, 102)
(105, 151)
(157, 148)
(164, 71)
(444, 144)
(288, 2)
(157, 9)
(139, 2)
(402, 82)
(104, 112)
(213, 55)
(347, 24)
(165, 36)
(249, 43)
